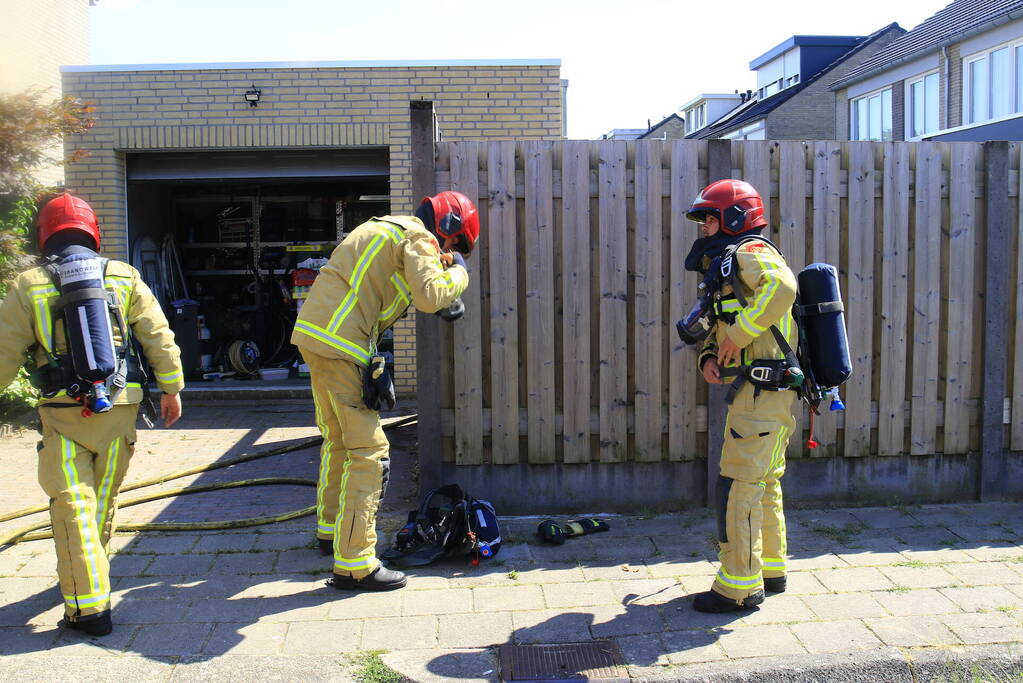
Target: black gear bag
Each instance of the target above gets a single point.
(448, 523)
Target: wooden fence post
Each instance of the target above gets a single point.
(719, 167)
(993, 466)
(431, 447)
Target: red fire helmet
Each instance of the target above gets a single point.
(736, 204)
(455, 216)
(67, 212)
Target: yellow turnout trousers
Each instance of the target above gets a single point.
(750, 516)
(82, 462)
(354, 464)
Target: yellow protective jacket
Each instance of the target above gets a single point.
(26, 324)
(384, 265)
(769, 287)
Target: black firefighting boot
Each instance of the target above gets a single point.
(774, 584)
(326, 546)
(383, 579)
(714, 602)
(98, 624)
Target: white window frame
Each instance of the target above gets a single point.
(853, 118)
(696, 118)
(908, 104)
(1014, 72)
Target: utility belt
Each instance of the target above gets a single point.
(769, 375)
(58, 376)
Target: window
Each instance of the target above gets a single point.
(871, 116)
(696, 118)
(993, 83)
(999, 81)
(922, 106)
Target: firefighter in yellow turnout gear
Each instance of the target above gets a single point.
(379, 270)
(83, 458)
(750, 515)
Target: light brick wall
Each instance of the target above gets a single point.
(300, 108)
(955, 104)
(899, 111)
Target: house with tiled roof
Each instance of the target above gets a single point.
(956, 76)
(793, 99)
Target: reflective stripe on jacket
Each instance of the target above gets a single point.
(380, 268)
(770, 290)
(26, 321)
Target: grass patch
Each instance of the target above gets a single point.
(369, 668)
(898, 589)
(513, 575)
(843, 534)
(916, 564)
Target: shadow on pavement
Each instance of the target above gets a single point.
(261, 591)
(205, 593)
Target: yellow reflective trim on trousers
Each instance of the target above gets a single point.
(361, 266)
(89, 545)
(748, 317)
(339, 343)
(344, 488)
(322, 524)
(104, 495)
(86, 601)
(774, 563)
(778, 451)
(354, 563)
(739, 582)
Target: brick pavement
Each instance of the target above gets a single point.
(863, 583)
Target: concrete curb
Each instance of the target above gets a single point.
(886, 665)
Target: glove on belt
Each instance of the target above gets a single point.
(377, 387)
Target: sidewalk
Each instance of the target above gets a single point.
(874, 593)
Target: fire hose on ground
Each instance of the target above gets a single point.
(34, 532)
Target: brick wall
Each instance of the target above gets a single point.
(300, 108)
(899, 110)
(955, 104)
(816, 113)
(672, 129)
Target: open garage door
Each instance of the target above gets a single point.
(231, 242)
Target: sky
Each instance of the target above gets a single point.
(627, 63)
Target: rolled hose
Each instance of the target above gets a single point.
(26, 533)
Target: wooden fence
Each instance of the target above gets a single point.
(567, 352)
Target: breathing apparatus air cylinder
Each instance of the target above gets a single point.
(820, 317)
(86, 308)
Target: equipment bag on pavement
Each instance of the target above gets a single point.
(448, 523)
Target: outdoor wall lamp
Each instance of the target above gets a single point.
(252, 96)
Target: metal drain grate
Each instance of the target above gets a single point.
(598, 661)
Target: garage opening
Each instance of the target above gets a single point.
(231, 242)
